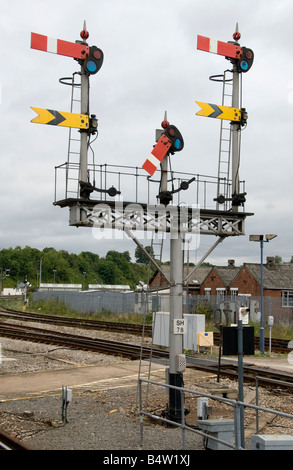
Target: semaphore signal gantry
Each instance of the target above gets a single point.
(108, 210)
(86, 211)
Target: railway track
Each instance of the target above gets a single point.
(227, 368)
(277, 345)
(27, 333)
(76, 322)
(8, 442)
(130, 351)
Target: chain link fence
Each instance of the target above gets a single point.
(220, 309)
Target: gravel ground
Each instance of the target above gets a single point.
(92, 416)
(107, 419)
(96, 421)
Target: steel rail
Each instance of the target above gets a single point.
(8, 442)
(277, 345)
(132, 351)
(76, 322)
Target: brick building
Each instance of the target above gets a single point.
(277, 280)
(158, 281)
(220, 283)
(234, 280)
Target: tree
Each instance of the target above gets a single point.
(64, 267)
(141, 257)
(108, 272)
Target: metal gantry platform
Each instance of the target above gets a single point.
(194, 211)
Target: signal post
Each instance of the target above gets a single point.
(241, 59)
(84, 109)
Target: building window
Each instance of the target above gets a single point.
(287, 298)
(220, 294)
(207, 293)
(233, 293)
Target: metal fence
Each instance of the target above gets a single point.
(225, 308)
(91, 302)
(238, 408)
(133, 185)
(221, 309)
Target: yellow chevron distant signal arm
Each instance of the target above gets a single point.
(60, 118)
(218, 112)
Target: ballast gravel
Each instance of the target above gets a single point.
(104, 419)
(95, 420)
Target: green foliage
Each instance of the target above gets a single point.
(69, 268)
(58, 308)
(141, 257)
(278, 331)
(203, 308)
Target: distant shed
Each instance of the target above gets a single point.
(45, 287)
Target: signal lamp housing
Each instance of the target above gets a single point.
(175, 137)
(94, 61)
(246, 60)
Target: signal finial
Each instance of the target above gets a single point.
(236, 35)
(165, 123)
(84, 34)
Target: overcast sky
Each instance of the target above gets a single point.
(151, 64)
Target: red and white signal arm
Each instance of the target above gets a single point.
(157, 154)
(58, 46)
(218, 47)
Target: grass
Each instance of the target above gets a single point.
(54, 307)
(57, 308)
(278, 331)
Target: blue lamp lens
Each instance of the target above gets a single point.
(91, 66)
(244, 65)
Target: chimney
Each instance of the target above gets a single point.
(270, 261)
(231, 262)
